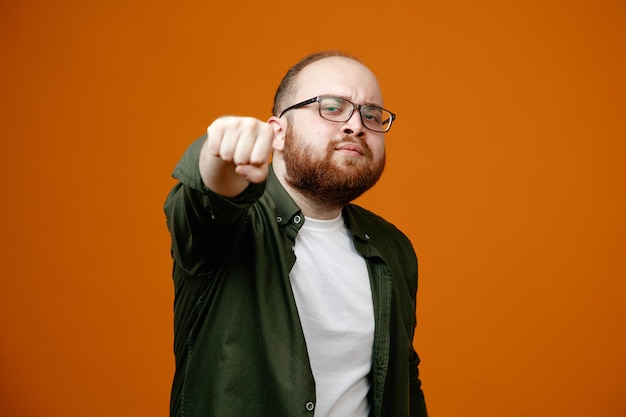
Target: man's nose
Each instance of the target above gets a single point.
(354, 125)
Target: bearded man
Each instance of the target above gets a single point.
(289, 299)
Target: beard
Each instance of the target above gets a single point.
(327, 180)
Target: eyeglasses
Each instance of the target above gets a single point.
(336, 109)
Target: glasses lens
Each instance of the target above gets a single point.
(375, 118)
(335, 109)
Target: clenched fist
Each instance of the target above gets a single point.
(237, 152)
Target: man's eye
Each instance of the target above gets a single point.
(373, 116)
(334, 105)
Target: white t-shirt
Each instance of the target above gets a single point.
(331, 286)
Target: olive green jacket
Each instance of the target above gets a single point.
(238, 342)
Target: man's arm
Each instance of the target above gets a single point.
(220, 175)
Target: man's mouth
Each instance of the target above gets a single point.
(350, 149)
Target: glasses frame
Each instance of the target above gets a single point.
(354, 107)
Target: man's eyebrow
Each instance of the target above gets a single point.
(349, 99)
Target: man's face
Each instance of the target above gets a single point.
(333, 162)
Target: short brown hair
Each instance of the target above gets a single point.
(286, 88)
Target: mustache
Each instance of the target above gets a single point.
(350, 139)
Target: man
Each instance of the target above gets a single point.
(289, 300)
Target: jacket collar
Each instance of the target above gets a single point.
(288, 214)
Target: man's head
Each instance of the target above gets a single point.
(330, 150)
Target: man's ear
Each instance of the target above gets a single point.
(279, 133)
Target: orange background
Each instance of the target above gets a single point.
(506, 168)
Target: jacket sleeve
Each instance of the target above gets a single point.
(418, 404)
(202, 224)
